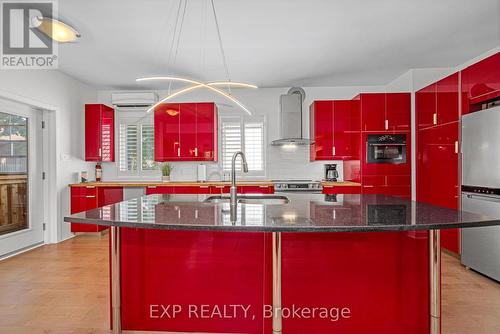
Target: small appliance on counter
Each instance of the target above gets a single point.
(98, 172)
(331, 172)
(202, 173)
(297, 186)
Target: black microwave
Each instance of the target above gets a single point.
(386, 149)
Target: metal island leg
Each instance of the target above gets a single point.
(277, 283)
(115, 280)
(435, 280)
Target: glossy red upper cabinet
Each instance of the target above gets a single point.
(481, 82)
(373, 112)
(167, 132)
(321, 127)
(398, 111)
(447, 95)
(186, 132)
(425, 106)
(99, 133)
(383, 112)
(206, 134)
(331, 130)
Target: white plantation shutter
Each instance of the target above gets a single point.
(128, 147)
(231, 143)
(254, 146)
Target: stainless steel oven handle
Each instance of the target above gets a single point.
(390, 144)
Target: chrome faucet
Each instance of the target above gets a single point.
(234, 190)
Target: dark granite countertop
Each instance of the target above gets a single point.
(304, 213)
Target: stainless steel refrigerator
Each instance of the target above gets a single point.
(481, 189)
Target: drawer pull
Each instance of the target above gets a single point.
(204, 187)
(90, 187)
(435, 119)
(152, 187)
(90, 196)
(456, 147)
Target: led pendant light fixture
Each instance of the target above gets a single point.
(194, 84)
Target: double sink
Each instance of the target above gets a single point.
(246, 199)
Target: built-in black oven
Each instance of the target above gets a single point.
(386, 149)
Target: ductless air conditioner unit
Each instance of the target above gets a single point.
(133, 100)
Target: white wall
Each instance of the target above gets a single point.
(280, 163)
(67, 96)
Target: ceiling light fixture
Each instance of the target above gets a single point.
(55, 29)
(197, 84)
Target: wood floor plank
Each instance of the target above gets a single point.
(63, 288)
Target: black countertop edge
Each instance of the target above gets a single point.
(317, 229)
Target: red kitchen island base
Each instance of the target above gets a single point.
(222, 282)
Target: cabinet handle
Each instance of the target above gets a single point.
(368, 186)
(220, 187)
(333, 150)
(152, 187)
(90, 196)
(100, 152)
(456, 147)
(196, 151)
(195, 214)
(435, 118)
(90, 187)
(204, 187)
(387, 124)
(178, 151)
(263, 186)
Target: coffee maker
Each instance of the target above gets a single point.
(331, 172)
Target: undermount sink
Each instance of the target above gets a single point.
(246, 199)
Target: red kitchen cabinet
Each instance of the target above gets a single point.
(437, 173)
(425, 106)
(83, 199)
(206, 132)
(99, 133)
(398, 111)
(330, 190)
(186, 132)
(383, 112)
(321, 125)
(480, 83)
(219, 189)
(109, 195)
(256, 189)
(447, 95)
(150, 190)
(331, 124)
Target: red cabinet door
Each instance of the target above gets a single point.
(481, 82)
(341, 190)
(255, 189)
(167, 132)
(160, 190)
(425, 106)
(206, 123)
(187, 132)
(398, 111)
(83, 199)
(99, 133)
(109, 195)
(447, 99)
(373, 112)
(342, 135)
(322, 114)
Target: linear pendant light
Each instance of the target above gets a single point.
(197, 84)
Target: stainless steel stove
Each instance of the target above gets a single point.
(297, 185)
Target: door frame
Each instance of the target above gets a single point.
(49, 162)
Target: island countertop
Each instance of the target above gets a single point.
(303, 213)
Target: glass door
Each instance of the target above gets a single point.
(21, 200)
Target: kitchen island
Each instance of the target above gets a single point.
(311, 264)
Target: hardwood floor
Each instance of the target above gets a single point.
(63, 289)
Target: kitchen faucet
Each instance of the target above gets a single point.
(234, 190)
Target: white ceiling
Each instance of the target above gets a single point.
(276, 43)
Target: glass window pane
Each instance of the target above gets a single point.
(18, 132)
(5, 148)
(20, 148)
(4, 132)
(128, 147)
(17, 120)
(4, 118)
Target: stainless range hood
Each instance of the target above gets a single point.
(291, 129)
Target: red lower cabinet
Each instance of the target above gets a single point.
(91, 197)
(367, 282)
(331, 190)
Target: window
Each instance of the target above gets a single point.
(13, 144)
(246, 136)
(136, 147)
